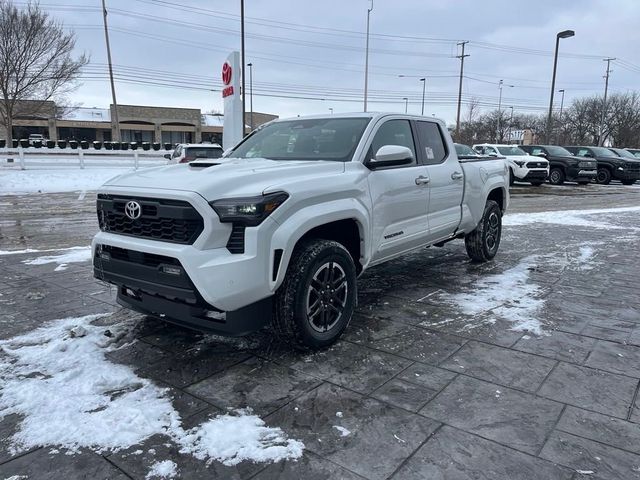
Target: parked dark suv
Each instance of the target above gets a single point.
(564, 165)
(610, 165)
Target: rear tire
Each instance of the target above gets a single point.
(603, 177)
(316, 300)
(482, 244)
(512, 178)
(556, 177)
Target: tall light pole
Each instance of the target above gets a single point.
(563, 34)
(113, 87)
(406, 104)
(561, 105)
(498, 132)
(366, 59)
(424, 87)
(250, 65)
(604, 102)
(510, 124)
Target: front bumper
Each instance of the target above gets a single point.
(159, 285)
(540, 175)
(626, 174)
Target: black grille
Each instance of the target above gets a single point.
(235, 244)
(536, 165)
(173, 221)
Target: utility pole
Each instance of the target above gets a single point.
(461, 57)
(366, 59)
(604, 102)
(424, 87)
(498, 135)
(250, 65)
(510, 125)
(406, 104)
(115, 120)
(242, 89)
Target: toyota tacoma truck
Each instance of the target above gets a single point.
(522, 168)
(565, 166)
(610, 165)
(277, 231)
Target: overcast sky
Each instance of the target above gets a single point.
(174, 49)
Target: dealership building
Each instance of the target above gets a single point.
(138, 123)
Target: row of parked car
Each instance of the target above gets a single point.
(580, 164)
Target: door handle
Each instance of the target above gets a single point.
(422, 180)
(456, 176)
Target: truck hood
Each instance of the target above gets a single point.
(225, 177)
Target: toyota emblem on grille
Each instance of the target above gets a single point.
(133, 210)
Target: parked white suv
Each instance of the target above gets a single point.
(522, 166)
(188, 152)
(278, 230)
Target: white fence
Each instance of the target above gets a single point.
(32, 157)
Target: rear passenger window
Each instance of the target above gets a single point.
(433, 149)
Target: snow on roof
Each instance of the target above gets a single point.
(212, 120)
(88, 114)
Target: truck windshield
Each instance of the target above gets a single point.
(511, 151)
(558, 151)
(309, 139)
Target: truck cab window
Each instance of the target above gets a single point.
(431, 142)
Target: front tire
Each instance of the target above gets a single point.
(316, 300)
(556, 177)
(512, 178)
(482, 244)
(604, 176)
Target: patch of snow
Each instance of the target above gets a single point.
(49, 181)
(35, 250)
(75, 255)
(585, 472)
(343, 431)
(507, 295)
(163, 469)
(568, 217)
(339, 414)
(55, 380)
(231, 439)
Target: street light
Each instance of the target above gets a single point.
(250, 65)
(498, 133)
(563, 34)
(366, 59)
(406, 104)
(424, 87)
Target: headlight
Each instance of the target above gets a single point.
(249, 211)
(520, 163)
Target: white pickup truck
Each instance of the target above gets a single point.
(277, 231)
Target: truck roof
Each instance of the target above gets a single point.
(373, 115)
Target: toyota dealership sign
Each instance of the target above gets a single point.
(232, 128)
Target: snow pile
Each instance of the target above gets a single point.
(164, 469)
(48, 181)
(233, 439)
(507, 295)
(74, 255)
(58, 379)
(568, 217)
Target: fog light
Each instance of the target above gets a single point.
(171, 270)
(104, 255)
(130, 293)
(215, 315)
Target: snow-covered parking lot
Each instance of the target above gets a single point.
(524, 368)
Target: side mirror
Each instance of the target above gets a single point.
(167, 156)
(588, 155)
(391, 156)
(493, 154)
(541, 154)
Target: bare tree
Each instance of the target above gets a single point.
(36, 61)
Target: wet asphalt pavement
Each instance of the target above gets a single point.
(435, 377)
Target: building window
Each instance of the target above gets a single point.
(177, 137)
